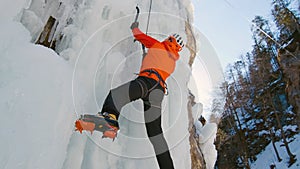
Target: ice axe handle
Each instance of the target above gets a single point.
(136, 17)
(137, 13)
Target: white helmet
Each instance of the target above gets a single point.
(178, 39)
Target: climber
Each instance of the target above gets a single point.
(150, 86)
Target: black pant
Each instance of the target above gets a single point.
(152, 95)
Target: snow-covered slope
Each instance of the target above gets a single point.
(41, 93)
(267, 158)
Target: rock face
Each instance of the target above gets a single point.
(46, 37)
(289, 59)
(191, 42)
(196, 154)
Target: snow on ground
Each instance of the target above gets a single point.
(268, 157)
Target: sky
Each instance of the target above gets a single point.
(226, 26)
(227, 23)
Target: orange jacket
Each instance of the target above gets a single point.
(161, 56)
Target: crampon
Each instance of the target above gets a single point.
(108, 127)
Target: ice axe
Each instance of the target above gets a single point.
(136, 16)
(135, 20)
(137, 13)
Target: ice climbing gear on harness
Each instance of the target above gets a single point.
(143, 86)
(159, 82)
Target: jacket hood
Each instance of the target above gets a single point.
(173, 48)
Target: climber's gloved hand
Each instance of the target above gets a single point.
(134, 25)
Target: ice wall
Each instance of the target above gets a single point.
(35, 103)
(99, 50)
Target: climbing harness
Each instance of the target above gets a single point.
(159, 82)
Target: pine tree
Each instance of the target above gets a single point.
(285, 19)
(257, 107)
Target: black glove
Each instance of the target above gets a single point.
(134, 25)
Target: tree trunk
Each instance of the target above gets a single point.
(46, 37)
(286, 144)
